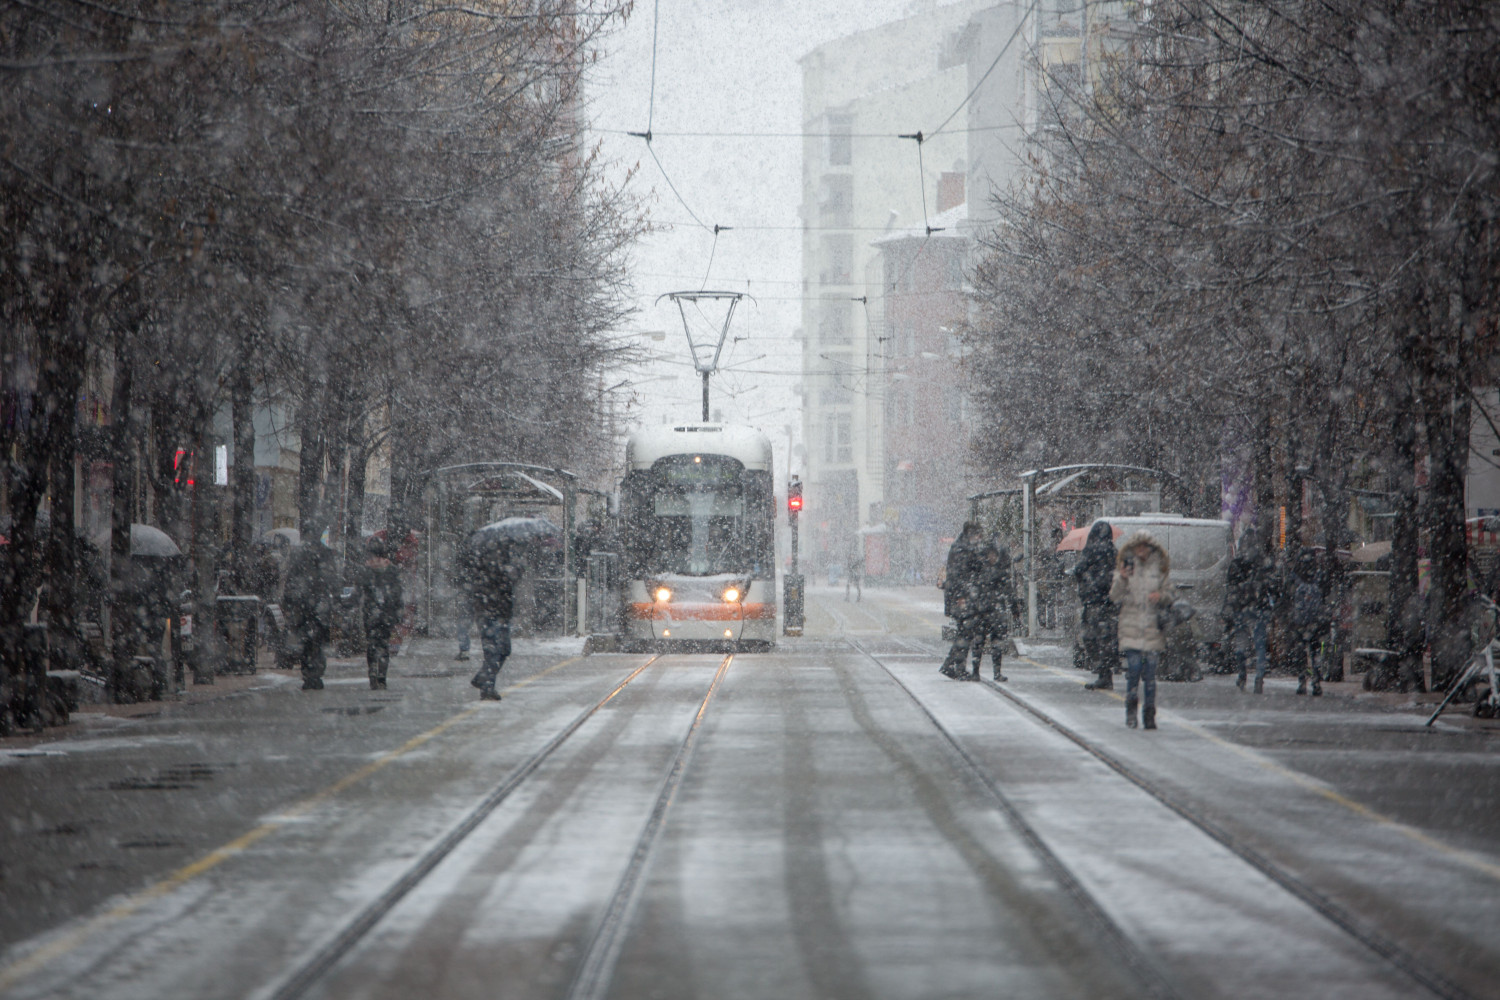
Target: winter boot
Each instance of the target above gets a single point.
(1104, 682)
(1130, 706)
(1302, 684)
(1148, 717)
(488, 694)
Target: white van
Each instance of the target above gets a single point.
(1199, 550)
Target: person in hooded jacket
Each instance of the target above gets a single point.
(961, 587)
(1247, 606)
(379, 582)
(491, 589)
(1094, 574)
(1141, 587)
(995, 606)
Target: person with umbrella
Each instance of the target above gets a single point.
(490, 588)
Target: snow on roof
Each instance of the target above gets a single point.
(950, 222)
(746, 444)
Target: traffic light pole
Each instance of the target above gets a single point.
(792, 598)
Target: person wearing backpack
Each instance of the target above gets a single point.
(1310, 618)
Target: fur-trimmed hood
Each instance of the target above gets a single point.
(1143, 537)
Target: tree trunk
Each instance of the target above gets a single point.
(310, 515)
(1404, 607)
(121, 631)
(242, 476)
(359, 460)
(1448, 448)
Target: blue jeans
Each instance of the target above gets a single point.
(1140, 668)
(1249, 632)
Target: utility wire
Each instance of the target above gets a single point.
(795, 135)
(651, 104)
(1020, 23)
(665, 177)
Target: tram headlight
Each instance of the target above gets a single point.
(663, 594)
(731, 594)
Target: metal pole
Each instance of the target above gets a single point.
(705, 397)
(1028, 504)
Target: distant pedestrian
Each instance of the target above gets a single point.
(855, 569)
(380, 595)
(961, 597)
(308, 602)
(1247, 606)
(1101, 619)
(491, 585)
(996, 608)
(1310, 618)
(1141, 585)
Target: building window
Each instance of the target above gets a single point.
(840, 141)
(833, 320)
(835, 396)
(838, 201)
(838, 260)
(838, 443)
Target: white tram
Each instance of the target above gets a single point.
(697, 519)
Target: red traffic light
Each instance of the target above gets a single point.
(793, 497)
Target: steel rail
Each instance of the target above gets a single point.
(597, 968)
(1399, 957)
(326, 957)
(1150, 975)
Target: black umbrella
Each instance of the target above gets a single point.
(517, 529)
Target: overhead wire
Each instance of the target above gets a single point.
(1020, 23)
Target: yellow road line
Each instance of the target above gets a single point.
(24, 967)
(1463, 857)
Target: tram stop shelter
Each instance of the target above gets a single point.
(1074, 495)
(459, 499)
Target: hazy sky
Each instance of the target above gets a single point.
(721, 65)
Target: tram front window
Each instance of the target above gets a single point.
(695, 518)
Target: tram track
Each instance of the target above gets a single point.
(1391, 952)
(1152, 978)
(313, 968)
(594, 971)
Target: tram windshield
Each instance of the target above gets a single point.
(699, 515)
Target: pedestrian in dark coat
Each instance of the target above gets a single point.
(1101, 619)
(379, 582)
(961, 596)
(307, 599)
(1247, 606)
(996, 607)
(1141, 586)
(1310, 617)
(491, 588)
